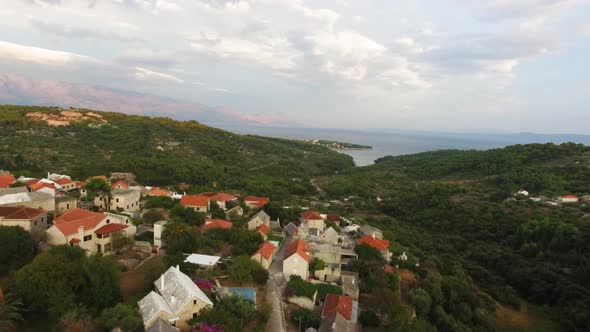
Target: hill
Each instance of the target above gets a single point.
(455, 213)
(159, 151)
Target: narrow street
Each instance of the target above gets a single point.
(274, 290)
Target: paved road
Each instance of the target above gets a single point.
(317, 187)
(274, 288)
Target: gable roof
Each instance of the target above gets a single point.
(24, 213)
(6, 180)
(120, 184)
(194, 200)
(264, 229)
(217, 223)
(340, 304)
(69, 222)
(63, 181)
(291, 228)
(40, 185)
(174, 283)
(222, 197)
(330, 232)
(299, 247)
(155, 191)
(311, 215)
(265, 250)
(262, 215)
(151, 306)
(374, 242)
(569, 196)
(333, 217)
(161, 325)
(102, 177)
(109, 228)
(256, 201)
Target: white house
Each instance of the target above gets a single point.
(569, 199)
(158, 228)
(260, 218)
(296, 259)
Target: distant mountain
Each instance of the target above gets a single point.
(18, 90)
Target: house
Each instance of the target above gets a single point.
(332, 256)
(6, 179)
(158, 228)
(568, 199)
(55, 176)
(291, 229)
(264, 254)
(264, 230)
(216, 223)
(329, 236)
(223, 199)
(236, 211)
(340, 314)
(65, 203)
(119, 185)
(206, 261)
(176, 300)
(22, 197)
(31, 220)
(155, 191)
(260, 218)
(44, 186)
(199, 203)
(586, 198)
(522, 192)
(255, 202)
(372, 231)
(91, 231)
(313, 220)
(66, 184)
(296, 259)
(379, 244)
(160, 325)
(122, 200)
(335, 218)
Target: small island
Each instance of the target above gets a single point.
(339, 145)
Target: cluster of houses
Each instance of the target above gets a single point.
(560, 200)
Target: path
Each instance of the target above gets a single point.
(274, 288)
(317, 187)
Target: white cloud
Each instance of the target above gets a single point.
(146, 74)
(42, 56)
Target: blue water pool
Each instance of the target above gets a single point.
(244, 292)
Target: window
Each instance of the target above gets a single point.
(87, 238)
(108, 221)
(126, 221)
(195, 315)
(117, 200)
(35, 222)
(67, 206)
(194, 301)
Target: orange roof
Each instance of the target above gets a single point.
(374, 242)
(222, 197)
(340, 304)
(569, 196)
(15, 212)
(69, 222)
(257, 201)
(40, 185)
(31, 182)
(102, 177)
(120, 184)
(217, 223)
(311, 215)
(63, 181)
(81, 184)
(109, 228)
(194, 200)
(333, 217)
(159, 192)
(264, 229)
(300, 247)
(6, 180)
(266, 250)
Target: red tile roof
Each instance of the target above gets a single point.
(63, 181)
(569, 196)
(80, 184)
(69, 222)
(40, 185)
(159, 192)
(311, 215)
(340, 304)
(217, 223)
(264, 229)
(256, 201)
(374, 242)
(333, 217)
(207, 193)
(109, 228)
(298, 247)
(120, 184)
(6, 180)
(194, 200)
(10, 212)
(223, 197)
(102, 177)
(32, 182)
(266, 250)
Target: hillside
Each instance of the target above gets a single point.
(455, 213)
(160, 151)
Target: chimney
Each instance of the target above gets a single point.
(162, 281)
(178, 267)
(81, 233)
(172, 300)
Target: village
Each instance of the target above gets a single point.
(311, 252)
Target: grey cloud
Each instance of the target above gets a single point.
(507, 10)
(69, 31)
(148, 58)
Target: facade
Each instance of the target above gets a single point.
(330, 236)
(31, 220)
(332, 256)
(176, 300)
(260, 218)
(264, 254)
(198, 203)
(64, 204)
(122, 200)
(90, 231)
(66, 184)
(158, 229)
(313, 220)
(296, 259)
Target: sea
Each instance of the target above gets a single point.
(391, 142)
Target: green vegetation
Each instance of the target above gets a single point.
(16, 246)
(244, 270)
(455, 215)
(301, 287)
(10, 313)
(161, 151)
(306, 318)
(234, 314)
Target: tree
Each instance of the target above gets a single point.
(369, 254)
(10, 312)
(77, 320)
(124, 316)
(216, 211)
(119, 241)
(101, 283)
(152, 216)
(16, 246)
(98, 187)
(318, 264)
(370, 319)
(232, 312)
(305, 318)
(421, 301)
(179, 237)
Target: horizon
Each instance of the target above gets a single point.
(494, 66)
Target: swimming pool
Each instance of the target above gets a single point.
(244, 292)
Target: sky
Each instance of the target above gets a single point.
(452, 65)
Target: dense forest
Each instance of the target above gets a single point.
(161, 151)
(456, 215)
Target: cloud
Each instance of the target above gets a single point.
(499, 10)
(69, 31)
(16, 52)
(146, 74)
(147, 57)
